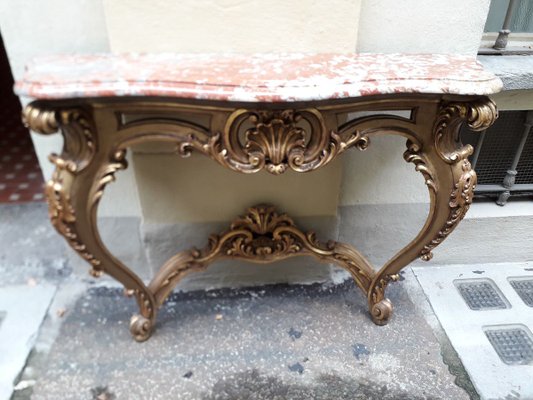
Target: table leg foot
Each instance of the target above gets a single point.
(379, 306)
(141, 328)
(381, 312)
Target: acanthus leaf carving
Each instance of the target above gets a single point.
(460, 200)
(414, 155)
(479, 115)
(274, 142)
(263, 235)
(39, 119)
(63, 215)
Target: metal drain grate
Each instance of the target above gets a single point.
(513, 343)
(524, 288)
(481, 294)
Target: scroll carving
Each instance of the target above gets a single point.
(80, 146)
(63, 216)
(78, 149)
(60, 209)
(414, 155)
(274, 142)
(460, 200)
(40, 120)
(479, 115)
(263, 235)
(141, 325)
(380, 306)
(74, 123)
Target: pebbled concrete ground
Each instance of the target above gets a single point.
(30, 248)
(274, 342)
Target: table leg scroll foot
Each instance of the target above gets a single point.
(379, 306)
(142, 324)
(141, 328)
(381, 312)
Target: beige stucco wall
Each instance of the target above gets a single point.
(197, 189)
(414, 26)
(232, 25)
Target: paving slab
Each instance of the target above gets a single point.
(272, 342)
(22, 310)
(485, 313)
(30, 247)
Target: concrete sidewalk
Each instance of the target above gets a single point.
(274, 342)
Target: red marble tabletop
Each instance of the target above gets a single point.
(254, 78)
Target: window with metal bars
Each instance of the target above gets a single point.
(503, 156)
(509, 28)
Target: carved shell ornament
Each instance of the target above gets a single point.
(274, 140)
(479, 115)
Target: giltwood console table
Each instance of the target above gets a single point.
(272, 112)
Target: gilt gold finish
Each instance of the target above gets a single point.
(247, 138)
(274, 143)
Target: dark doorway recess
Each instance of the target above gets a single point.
(21, 179)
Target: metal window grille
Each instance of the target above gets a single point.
(506, 17)
(503, 156)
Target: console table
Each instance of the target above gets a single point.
(270, 112)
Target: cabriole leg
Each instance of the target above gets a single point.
(74, 192)
(450, 181)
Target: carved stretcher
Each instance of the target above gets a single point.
(272, 112)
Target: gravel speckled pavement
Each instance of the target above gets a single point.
(274, 342)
